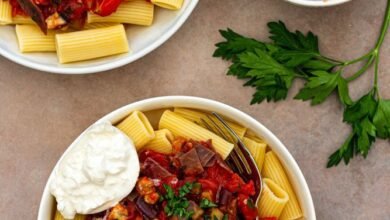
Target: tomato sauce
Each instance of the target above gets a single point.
(191, 183)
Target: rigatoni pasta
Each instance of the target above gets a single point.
(5, 12)
(250, 134)
(162, 142)
(180, 126)
(168, 4)
(89, 44)
(257, 150)
(197, 117)
(273, 170)
(98, 25)
(273, 199)
(138, 128)
(18, 19)
(69, 16)
(31, 39)
(139, 12)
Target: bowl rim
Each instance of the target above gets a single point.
(293, 171)
(109, 65)
(317, 3)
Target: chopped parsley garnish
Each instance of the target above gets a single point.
(177, 205)
(205, 203)
(250, 203)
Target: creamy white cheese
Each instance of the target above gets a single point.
(99, 171)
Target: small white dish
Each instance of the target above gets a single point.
(318, 3)
(47, 205)
(142, 40)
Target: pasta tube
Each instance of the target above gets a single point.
(138, 12)
(138, 128)
(168, 4)
(98, 25)
(5, 12)
(257, 150)
(89, 44)
(18, 19)
(162, 142)
(179, 126)
(273, 170)
(58, 216)
(273, 199)
(32, 39)
(197, 117)
(250, 134)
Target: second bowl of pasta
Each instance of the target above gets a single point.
(180, 162)
(69, 43)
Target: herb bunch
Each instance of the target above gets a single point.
(271, 67)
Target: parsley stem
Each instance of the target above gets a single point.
(373, 55)
(330, 60)
(376, 70)
(362, 70)
(385, 26)
(347, 63)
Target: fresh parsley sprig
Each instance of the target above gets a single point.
(271, 68)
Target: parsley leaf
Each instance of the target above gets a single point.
(359, 142)
(381, 119)
(360, 116)
(294, 41)
(319, 87)
(271, 79)
(343, 90)
(250, 203)
(205, 203)
(235, 44)
(345, 152)
(365, 106)
(294, 58)
(185, 189)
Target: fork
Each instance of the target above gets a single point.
(239, 160)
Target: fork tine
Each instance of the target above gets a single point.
(233, 138)
(217, 129)
(236, 161)
(206, 125)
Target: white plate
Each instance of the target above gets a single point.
(294, 173)
(318, 3)
(142, 40)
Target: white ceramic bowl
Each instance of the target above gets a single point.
(142, 40)
(318, 3)
(298, 181)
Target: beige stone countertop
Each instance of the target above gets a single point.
(41, 113)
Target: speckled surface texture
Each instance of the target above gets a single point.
(41, 114)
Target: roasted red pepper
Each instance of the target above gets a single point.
(248, 189)
(106, 7)
(247, 207)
